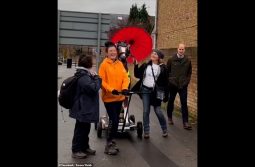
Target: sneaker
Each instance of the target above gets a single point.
(170, 121)
(165, 134)
(187, 126)
(110, 150)
(146, 136)
(114, 144)
(79, 155)
(89, 151)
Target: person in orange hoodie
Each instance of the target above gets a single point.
(114, 80)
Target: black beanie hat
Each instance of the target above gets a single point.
(159, 53)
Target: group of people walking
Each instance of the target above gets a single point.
(158, 82)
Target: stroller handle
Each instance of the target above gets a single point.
(133, 92)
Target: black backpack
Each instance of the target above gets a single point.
(68, 91)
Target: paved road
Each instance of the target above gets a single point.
(179, 149)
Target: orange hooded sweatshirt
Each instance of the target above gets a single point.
(114, 76)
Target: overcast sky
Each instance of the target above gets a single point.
(106, 6)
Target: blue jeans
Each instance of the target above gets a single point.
(146, 113)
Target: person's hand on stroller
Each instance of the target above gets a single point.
(125, 92)
(115, 92)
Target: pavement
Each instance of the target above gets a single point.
(179, 149)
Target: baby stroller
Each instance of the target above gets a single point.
(126, 121)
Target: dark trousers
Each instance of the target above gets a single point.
(183, 98)
(113, 111)
(81, 136)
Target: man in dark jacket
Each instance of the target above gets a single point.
(179, 69)
(86, 106)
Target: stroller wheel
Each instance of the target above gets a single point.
(139, 129)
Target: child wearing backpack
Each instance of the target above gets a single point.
(85, 108)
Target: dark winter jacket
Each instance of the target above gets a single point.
(179, 72)
(162, 81)
(86, 107)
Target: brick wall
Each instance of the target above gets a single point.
(177, 23)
